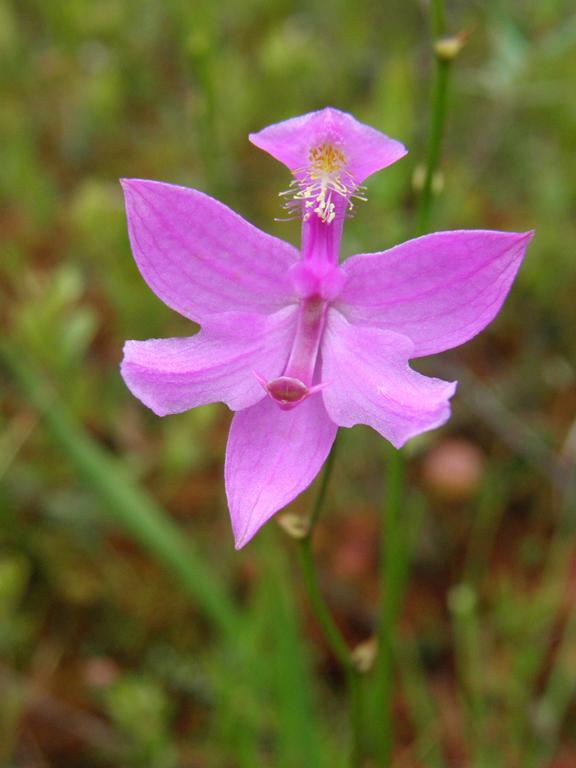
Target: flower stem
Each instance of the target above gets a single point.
(439, 100)
(321, 612)
(437, 18)
(337, 645)
(325, 620)
(393, 549)
(393, 569)
(321, 496)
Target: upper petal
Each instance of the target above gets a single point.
(272, 456)
(366, 149)
(440, 289)
(200, 257)
(216, 365)
(368, 381)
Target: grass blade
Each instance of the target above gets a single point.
(124, 503)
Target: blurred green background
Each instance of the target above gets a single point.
(131, 633)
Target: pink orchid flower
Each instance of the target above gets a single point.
(293, 342)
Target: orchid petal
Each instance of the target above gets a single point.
(199, 257)
(439, 290)
(366, 149)
(370, 382)
(217, 364)
(272, 456)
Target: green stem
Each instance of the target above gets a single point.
(438, 18)
(320, 609)
(321, 496)
(393, 569)
(357, 717)
(330, 630)
(439, 101)
(337, 644)
(393, 549)
(321, 612)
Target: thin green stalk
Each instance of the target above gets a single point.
(326, 622)
(321, 496)
(337, 644)
(319, 608)
(439, 100)
(393, 569)
(297, 718)
(321, 611)
(437, 18)
(357, 718)
(393, 548)
(123, 502)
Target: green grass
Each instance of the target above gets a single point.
(131, 633)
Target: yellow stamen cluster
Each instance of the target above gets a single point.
(326, 158)
(317, 183)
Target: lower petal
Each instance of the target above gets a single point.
(368, 381)
(272, 456)
(216, 365)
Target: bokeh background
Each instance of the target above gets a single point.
(131, 633)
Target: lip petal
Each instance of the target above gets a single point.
(366, 150)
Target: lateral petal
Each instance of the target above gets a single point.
(368, 381)
(199, 257)
(217, 364)
(272, 456)
(439, 290)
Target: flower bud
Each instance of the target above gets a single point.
(447, 48)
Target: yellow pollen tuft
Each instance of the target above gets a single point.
(326, 159)
(320, 183)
